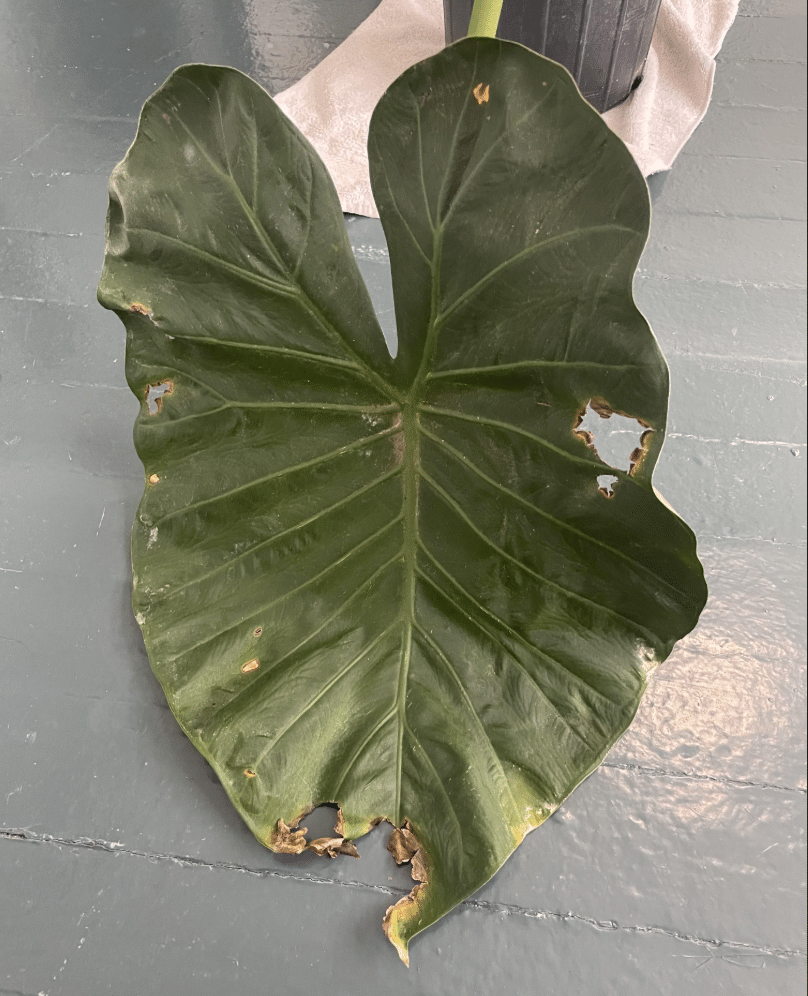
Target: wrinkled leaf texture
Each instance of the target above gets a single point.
(393, 583)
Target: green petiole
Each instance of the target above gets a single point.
(485, 18)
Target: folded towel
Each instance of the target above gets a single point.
(333, 103)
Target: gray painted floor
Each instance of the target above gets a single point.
(678, 867)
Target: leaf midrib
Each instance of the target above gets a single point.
(412, 472)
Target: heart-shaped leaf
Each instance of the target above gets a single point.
(395, 584)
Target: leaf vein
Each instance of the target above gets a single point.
(441, 785)
(472, 466)
(390, 714)
(427, 208)
(298, 354)
(510, 630)
(478, 165)
(543, 695)
(326, 688)
(523, 254)
(470, 706)
(509, 427)
(403, 220)
(294, 591)
(253, 219)
(247, 691)
(528, 365)
(275, 475)
(289, 531)
(567, 592)
(304, 298)
(258, 279)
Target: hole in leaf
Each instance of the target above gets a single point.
(606, 484)
(322, 821)
(154, 395)
(615, 437)
(619, 440)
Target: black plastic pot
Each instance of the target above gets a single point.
(603, 43)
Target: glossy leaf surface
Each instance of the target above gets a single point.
(394, 584)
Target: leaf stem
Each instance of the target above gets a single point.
(485, 18)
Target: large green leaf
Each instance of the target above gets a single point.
(395, 585)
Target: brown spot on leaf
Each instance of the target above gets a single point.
(339, 826)
(252, 665)
(287, 840)
(419, 872)
(140, 309)
(601, 407)
(332, 846)
(249, 772)
(481, 93)
(403, 844)
(325, 846)
(257, 631)
(638, 455)
(605, 410)
(587, 437)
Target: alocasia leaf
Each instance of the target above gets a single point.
(394, 584)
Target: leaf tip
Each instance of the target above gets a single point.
(390, 926)
(405, 847)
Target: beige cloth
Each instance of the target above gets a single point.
(333, 103)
